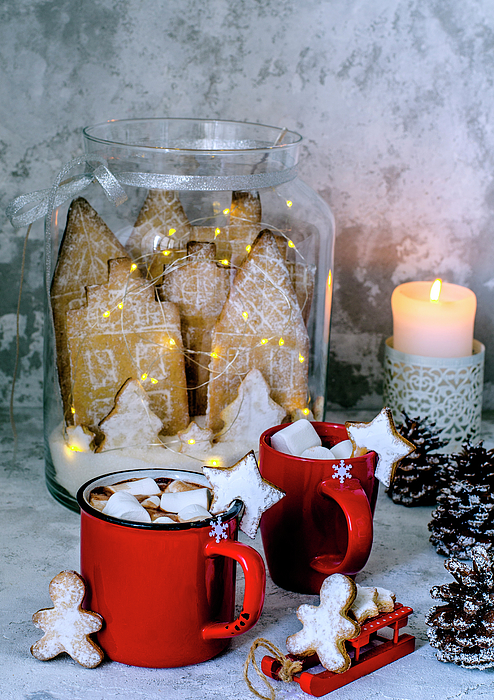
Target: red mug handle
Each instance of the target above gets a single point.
(255, 586)
(354, 503)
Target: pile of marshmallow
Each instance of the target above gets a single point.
(136, 500)
(301, 440)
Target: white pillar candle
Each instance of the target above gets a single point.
(442, 328)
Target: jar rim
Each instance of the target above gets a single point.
(281, 133)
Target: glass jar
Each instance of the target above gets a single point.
(194, 315)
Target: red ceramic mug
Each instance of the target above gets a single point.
(167, 591)
(324, 523)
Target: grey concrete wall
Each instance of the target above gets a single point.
(394, 98)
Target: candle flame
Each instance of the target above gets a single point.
(435, 292)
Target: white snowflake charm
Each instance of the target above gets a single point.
(218, 530)
(343, 471)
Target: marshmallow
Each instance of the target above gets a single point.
(178, 485)
(317, 452)
(163, 519)
(125, 506)
(193, 512)
(139, 487)
(174, 502)
(151, 502)
(296, 438)
(342, 450)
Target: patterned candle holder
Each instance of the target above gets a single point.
(446, 391)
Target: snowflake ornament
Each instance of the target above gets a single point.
(218, 530)
(343, 471)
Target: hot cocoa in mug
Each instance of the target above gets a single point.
(166, 590)
(324, 524)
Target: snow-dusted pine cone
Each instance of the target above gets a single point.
(464, 516)
(416, 478)
(462, 630)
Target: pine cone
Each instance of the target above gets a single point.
(463, 630)
(416, 477)
(464, 516)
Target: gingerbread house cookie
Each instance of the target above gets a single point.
(260, 326)
(243, 227)
(161, 226)
(123, 333)
(199, 287)
(87, 246)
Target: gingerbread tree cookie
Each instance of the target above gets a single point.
(260, 326)
(161, 225)
(131, 422)
(326, 627)
(67, 626)
(125, 333)
(87, 246)
(199, 287)
(251, 413)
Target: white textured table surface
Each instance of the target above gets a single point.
(39, 538)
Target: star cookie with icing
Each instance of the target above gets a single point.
(326, 627)
(381, 436)
(67, 626)
(242, 481)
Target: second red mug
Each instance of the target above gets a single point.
(324, 524)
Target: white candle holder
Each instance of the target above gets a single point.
(446, 391)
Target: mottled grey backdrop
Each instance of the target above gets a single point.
(395, 99)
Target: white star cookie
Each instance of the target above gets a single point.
(67, 626)
(381, 436)
(327, 626)
(242, 481)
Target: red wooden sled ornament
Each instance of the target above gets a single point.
(368, 652)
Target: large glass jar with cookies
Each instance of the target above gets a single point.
(189, 298)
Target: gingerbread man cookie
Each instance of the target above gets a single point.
(327, 626)
(67, 626)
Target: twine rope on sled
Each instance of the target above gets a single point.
(288, 667)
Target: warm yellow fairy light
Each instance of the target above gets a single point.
(245, 315)
(74, 448)
(248, 248)
(144, 377)
(172, 342)
(215, 463)
(226, 212)
(153, 380)
(72, 410)
(171, 231)
(305, 411)
(133, 267)
(281, 342)
(214, 355)
(106, 314)
(191, 441)
(289, 203)
(166, 252)
(217, 232)
(224, 262)
(264, 341)
(435, 292)
(301, 358)
(291, 244)
(120, 306)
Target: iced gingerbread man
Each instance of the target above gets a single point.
(67, 625)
